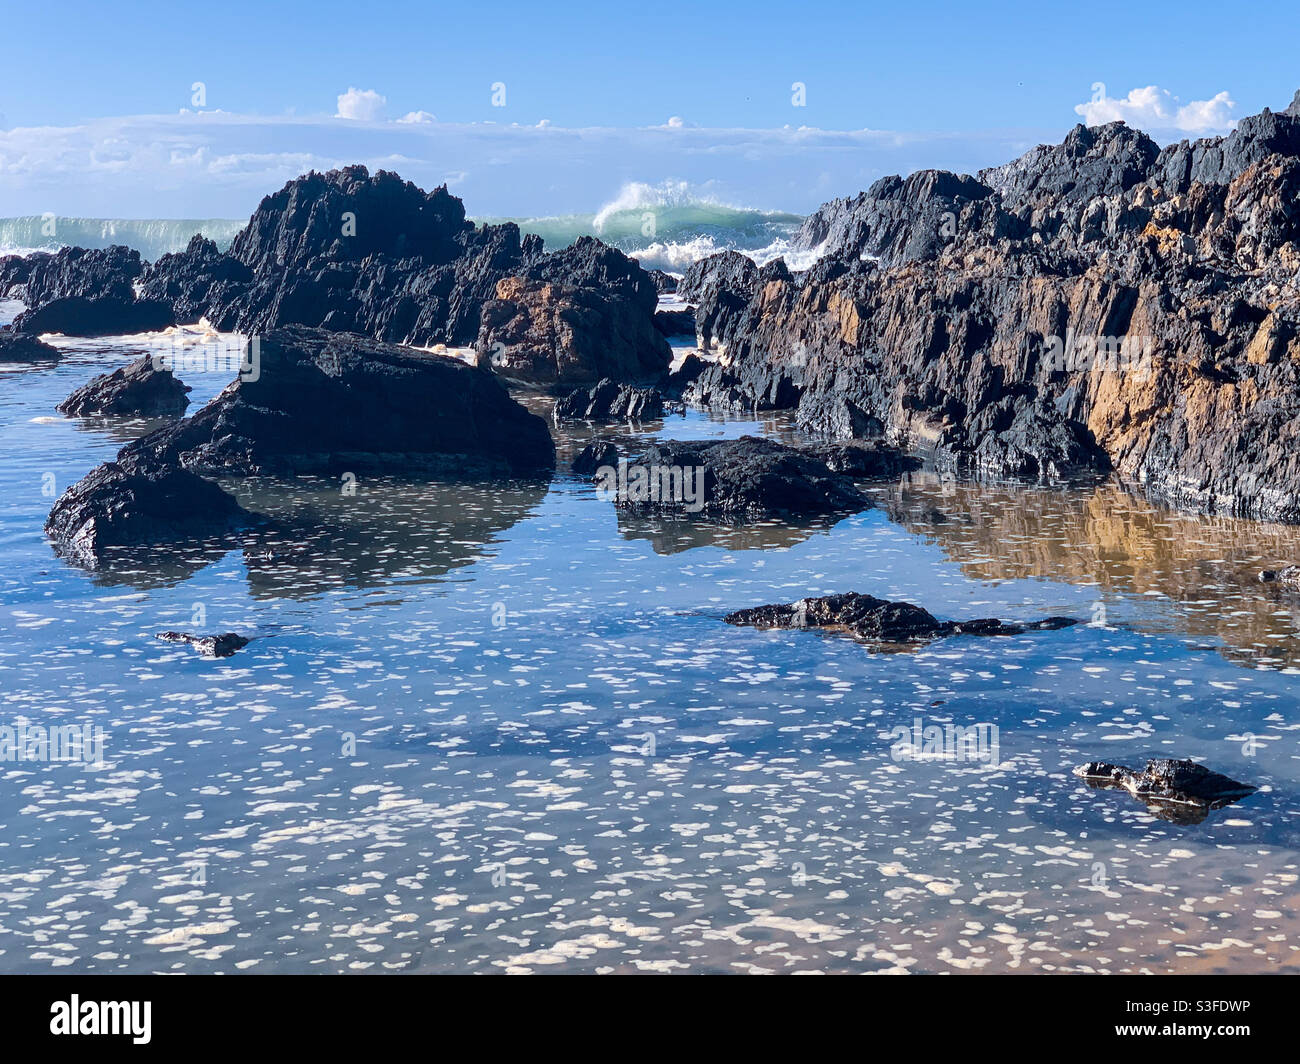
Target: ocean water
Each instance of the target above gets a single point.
(666, 226)
(501, 728)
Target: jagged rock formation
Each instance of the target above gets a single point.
(81, 292)
(137, 390)
(610, 401)
(1178, 790)
(331, 403)
(581, 314)
(878, 620)
(21, 347)
(349, 251)
(1096, 304)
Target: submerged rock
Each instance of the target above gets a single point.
(748, 479)
(330, 403)
(879, 620)
(21, 347)
(210, 646)
(1177, 790)
(610, 401)
(115, 507)
(137, 390)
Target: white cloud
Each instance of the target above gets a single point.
(363, 105)
(417, 117)
(1156, 108)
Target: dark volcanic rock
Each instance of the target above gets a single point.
(720, 287)
(329, 403)
(100, 273)
(610, 401)
(1178, 790)
(580, 314)
(664, 282)
(733, 480)
(675, 322)
(899, 220)
(210, 646)
(103, 316)
(22, 347)
(863, 460)
(596, 454)
(137, 390)
(114, 507)
(1093, 311)
(878, 620)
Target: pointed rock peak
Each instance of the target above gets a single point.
(1294, 109)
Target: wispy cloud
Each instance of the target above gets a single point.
(1156, 109)
(215, 164)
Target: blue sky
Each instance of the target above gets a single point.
(91, 94)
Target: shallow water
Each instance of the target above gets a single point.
(501, 728)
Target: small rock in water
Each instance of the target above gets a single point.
(879, 620)
(1288, 577)
(138, 390)
(596, 454)
(1177, 790)
(210, 646)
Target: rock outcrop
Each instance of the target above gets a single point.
(1096, 305)
(117, 511)
(610, 401)
(137, 390)
(332, 403)
(878, 620)
(748, 479)
(22, 347)
(80, 292)
(580, 314)
(1179, 790)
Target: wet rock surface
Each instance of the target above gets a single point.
(878, 620)
(22, 347)
(116, 508)
(137, 390)
(330, 404)
(610, 401)
(734, 480)
(1178, 790)
(209, 646)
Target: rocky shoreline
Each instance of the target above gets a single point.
(1094, 306)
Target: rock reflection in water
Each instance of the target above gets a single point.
(672, 535)
(389, 530)
(1111, 538)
